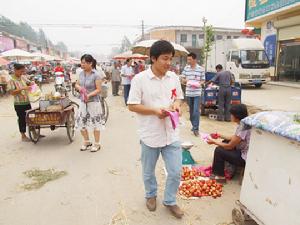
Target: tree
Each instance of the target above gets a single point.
(61, 46)
(27, 32)
(209, 40)
(125, 45)
(42, 39)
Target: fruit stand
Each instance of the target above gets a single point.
(271, 186)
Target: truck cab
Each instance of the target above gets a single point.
(247, 60)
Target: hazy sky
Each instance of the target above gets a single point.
(128, 13)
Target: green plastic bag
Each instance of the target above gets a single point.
(187, 158)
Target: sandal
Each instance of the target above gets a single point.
(96, 147)
(86, 146)
(221, 180)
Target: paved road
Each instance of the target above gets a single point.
(271, 97)
(99, 185)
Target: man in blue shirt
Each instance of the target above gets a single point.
(194, 77)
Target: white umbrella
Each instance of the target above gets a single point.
(38, 56)
(143, 47)
(16, 54)
(130, 55)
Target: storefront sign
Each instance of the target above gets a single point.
(21, 44)
(256, 8)
(270, 48)
(6, 43)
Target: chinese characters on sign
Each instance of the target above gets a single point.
(256, 8)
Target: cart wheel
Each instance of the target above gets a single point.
(105, 110)
(238, 217)
(34, 133)
(71, 126)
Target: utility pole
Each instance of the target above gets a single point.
(143, 30)
(204, 20)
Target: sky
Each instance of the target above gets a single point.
(127, 17)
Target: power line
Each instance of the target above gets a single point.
(89, 26)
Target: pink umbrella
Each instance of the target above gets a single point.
(3, 62)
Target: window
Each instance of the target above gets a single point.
(201, 36)
(235, 57)
(236, 37)
(183, 38)
(194, 40)
(228, 37)
(219, 37)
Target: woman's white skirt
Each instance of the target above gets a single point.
(89, 116)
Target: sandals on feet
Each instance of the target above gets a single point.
(96, 147)
(86, 146)
(221, 180)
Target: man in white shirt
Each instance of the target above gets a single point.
(153, 92)
(127, 74)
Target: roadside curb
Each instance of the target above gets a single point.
(283, 84)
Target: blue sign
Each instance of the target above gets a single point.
(270, 48)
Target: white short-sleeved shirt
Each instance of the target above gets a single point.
(150, 91)
(128, 72)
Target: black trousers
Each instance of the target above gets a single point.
(115, 87)
(21, 113)
(221, 155)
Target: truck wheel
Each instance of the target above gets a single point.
(258, 85)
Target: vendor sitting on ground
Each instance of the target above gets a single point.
(233, 149)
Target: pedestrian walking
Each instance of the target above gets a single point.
(89, 115)
(224, 79)
(193, 78)
(153, 92)
(19, 86)
(115, 80)
(127, 74)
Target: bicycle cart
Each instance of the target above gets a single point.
(37, 119)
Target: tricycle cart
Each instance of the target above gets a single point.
(37, 119)
(209, 96)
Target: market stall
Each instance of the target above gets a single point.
(271, 186)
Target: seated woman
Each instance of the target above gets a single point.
(233, 149)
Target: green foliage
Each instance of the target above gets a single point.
(26, 31)
(41, 177)
(126, 44)
(209, 38)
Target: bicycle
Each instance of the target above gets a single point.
(104, 105)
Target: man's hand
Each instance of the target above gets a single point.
(176, 107)
(161, 113)
(26, 88)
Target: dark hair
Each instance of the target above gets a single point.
(193, 55)
(88, 58)
(219, 67)
(18, 66)
(161, 47)
(128, 60)
(94, 64)
(239, 111)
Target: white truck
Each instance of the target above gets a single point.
(245, 58)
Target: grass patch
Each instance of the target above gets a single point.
(41, 177)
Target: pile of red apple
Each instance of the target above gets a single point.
(190, 173)
(200, 188)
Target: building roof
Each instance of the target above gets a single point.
(194, 28)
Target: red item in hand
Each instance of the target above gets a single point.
(215, 135)
(83, 94)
